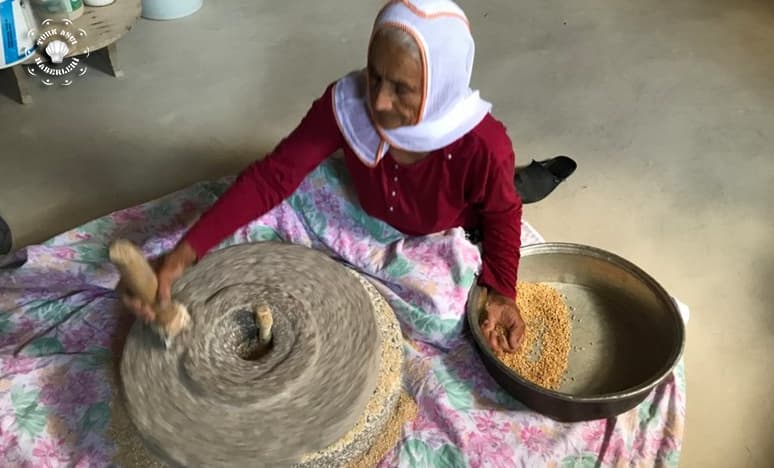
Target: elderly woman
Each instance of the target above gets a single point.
(423, 152)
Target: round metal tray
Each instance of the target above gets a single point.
(627, 337)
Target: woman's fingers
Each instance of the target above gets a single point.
(133, 303)
(148, 314)
(503, 343)
(136, 306)
(515, 335)
(165, 288)
(498, 341)
(495, 343)
(489, 336)
(172, 268)
(168, 274)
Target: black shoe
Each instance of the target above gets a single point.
(6, 240)
(536, 181)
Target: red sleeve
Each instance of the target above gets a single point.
(267, 182)
(500, 213)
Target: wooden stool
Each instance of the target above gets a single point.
(104, 26)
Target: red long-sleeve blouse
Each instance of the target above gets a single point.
(468, 183)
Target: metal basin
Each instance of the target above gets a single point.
(626, 338)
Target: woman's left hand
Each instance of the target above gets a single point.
(503, 311)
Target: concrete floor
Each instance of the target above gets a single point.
(667, 107)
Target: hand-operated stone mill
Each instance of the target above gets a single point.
(288, 358)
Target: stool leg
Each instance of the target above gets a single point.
(112, 57)
(21, 79)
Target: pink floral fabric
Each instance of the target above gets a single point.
(58, 312)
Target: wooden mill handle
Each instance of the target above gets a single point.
(139, 277)
(136, 272)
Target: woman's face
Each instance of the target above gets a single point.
(394, 82)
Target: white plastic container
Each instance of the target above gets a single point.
(16, 42)
(169, 9)
(57, 9)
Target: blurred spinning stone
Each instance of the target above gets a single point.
(290, 359)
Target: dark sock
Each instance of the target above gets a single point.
(5, 237)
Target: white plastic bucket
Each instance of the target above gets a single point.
(57, 9)
(169, 9)
(16, 41)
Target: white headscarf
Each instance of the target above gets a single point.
(449, 108)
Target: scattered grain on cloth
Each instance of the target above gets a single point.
(405, 411)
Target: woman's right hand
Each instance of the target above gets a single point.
(172, 267)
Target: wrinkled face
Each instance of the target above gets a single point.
(394, 82)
